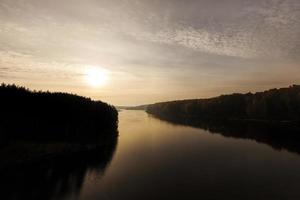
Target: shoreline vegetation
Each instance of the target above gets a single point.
(41, 125)
(271, 117)
(274, 105)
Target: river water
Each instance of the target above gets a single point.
(154, 159)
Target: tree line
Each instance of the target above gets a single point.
(47, 116)
(272, 105)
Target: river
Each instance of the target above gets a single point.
(154, 159)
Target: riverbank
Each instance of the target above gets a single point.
(37, 125)
(274, 105)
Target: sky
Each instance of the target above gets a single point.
(132, 52)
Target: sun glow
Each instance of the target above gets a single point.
(96, 76)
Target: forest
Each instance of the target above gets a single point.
(45, 116)
(272, 105)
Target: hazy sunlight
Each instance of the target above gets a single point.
(96, 76)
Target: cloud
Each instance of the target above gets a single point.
(265, 28)
(170, 41)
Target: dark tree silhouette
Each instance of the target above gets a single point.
(48, 116)
(272, 105)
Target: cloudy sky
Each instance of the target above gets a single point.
(150, 50)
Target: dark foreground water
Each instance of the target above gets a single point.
(154, 159)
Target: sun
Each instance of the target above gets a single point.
(96, 76)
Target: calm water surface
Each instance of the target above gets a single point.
(158, 160)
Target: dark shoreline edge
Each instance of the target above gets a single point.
(36, 125)
(271, 117)
(274, 105)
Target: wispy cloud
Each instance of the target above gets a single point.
(262, 28)
(148, 38)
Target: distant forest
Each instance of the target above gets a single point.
(48, 116)
(271, 105)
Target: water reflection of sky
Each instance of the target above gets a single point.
(158, 160)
